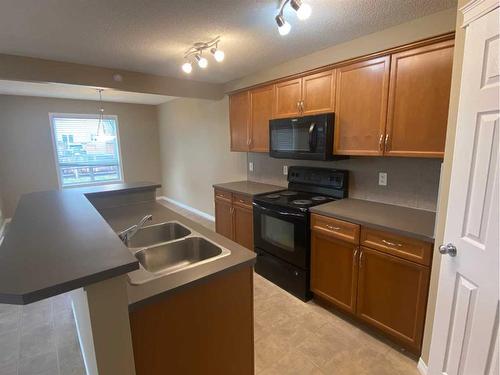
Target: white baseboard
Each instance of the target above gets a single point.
(189, 208)
(2, 228)
(422, 367)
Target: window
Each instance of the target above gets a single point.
(87, 150)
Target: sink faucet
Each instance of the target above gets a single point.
(127, 234)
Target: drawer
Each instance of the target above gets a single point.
(242, 200)
(342, 230)
(397, 245)
(223, 195)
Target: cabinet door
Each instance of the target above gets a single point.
(261, 104)
(224, 218)
(419, 94)
(243, 226)
(361, 107)
(239, 120)
(392, 296)
(318, 92)
(334, 270)
(287, 97)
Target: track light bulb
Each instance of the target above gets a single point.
(202, 62)
(218, 54)
(187, 67)
(304, 12)
(283, 26)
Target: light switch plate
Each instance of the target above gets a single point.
(285, 170)
(382, 178)
(250, 166)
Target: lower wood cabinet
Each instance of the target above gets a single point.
(392, 295)
(234, 217)
(380, 277)
(334, 270)
(206, 328)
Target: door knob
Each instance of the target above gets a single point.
(449, 249)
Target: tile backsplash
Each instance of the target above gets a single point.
(411, 182)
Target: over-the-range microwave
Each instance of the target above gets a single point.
(308, 137)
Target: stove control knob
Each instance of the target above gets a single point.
(296, 273)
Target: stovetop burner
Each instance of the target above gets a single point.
(319, 198)
(302, 202)
(273, 196)
(288, 193)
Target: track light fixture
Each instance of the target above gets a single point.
(195, 53)
(303, 12)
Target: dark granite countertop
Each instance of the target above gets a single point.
(249, 188)
(57, 242)
(122, 217)
(406, 221)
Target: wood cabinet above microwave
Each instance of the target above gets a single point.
(308, 95)
(393, 103)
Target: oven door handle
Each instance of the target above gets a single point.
(312, 139)
(277, 211)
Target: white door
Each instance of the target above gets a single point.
(465, 331)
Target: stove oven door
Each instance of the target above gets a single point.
(282, 232)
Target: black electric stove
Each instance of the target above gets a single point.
(281, 225)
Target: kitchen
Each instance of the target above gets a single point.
(329, 174)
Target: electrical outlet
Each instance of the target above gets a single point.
(285, 170)
(382, 178)
(250, 166)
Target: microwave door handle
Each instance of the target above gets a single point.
(312, 139)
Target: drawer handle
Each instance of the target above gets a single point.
(331, 227)
(241, 201)
(392, 243)
(220, 196)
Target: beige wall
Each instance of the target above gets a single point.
(26, 153)
(194, 137)
(410, 182)
(445, 180)
(421, 28)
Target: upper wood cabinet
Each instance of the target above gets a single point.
(393, 104)
(361, 107)
(239, 120)
(419, 95)
(318, 93)
(261, 109)
(308, 95)
(287, 97)
(249, 115)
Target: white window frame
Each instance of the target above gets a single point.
(53, 115)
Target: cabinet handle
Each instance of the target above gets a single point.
(392, 243)
(387, 142)
(302, 106)
(331, 227)
(361, 257)
(380, 142)
(298, 106)
(355, 255)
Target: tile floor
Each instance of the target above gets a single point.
(291, 337)
(39, 339)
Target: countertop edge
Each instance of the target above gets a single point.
(193, 283)
(272, 188)
(402, 232)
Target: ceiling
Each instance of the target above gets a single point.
(57, 90)
(151, 36)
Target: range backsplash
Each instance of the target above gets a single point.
(411, 182)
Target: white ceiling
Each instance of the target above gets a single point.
(151, 36)
(57, 90)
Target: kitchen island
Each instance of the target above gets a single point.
(66, 240)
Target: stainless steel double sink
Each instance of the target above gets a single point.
(169, 247)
